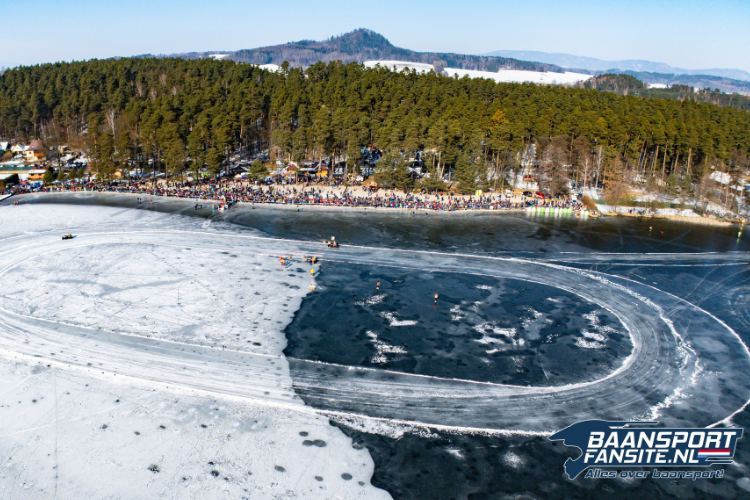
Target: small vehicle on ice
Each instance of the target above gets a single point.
(68, 237)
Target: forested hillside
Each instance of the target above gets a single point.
(190, 113)
(708, 82)
(625, 84)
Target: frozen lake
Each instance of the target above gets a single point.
(538, 323)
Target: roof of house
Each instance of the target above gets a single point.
(36, 145)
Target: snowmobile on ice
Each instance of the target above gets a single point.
(68, 237)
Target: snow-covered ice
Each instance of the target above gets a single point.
(382, 349)
(73, 436)
(122, 425)
(391, 317)
(595, 337)
(371, 301)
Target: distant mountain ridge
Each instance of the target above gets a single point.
(727, 85)
(362, 45)
(365, 45)
(628, 65)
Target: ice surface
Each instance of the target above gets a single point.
(189, 295)
(143, 360)
(681, 355)
(709, 361)
(665, 377)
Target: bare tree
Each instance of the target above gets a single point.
(111, 117)
(555, 163)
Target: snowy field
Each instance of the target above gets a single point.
(522, 76)
(149, 351)
(400, 65)
(501, 76)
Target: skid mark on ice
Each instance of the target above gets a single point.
(728, 419)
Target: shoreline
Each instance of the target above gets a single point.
(288, 206)
(705, 221)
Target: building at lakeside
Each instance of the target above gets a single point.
(37, 174)
(32, 152)
(32, 156)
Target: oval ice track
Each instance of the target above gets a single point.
(665, 377)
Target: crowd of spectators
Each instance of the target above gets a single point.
(231, 192)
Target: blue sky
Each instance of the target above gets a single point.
(691, 34)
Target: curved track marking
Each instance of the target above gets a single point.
(662, 376)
